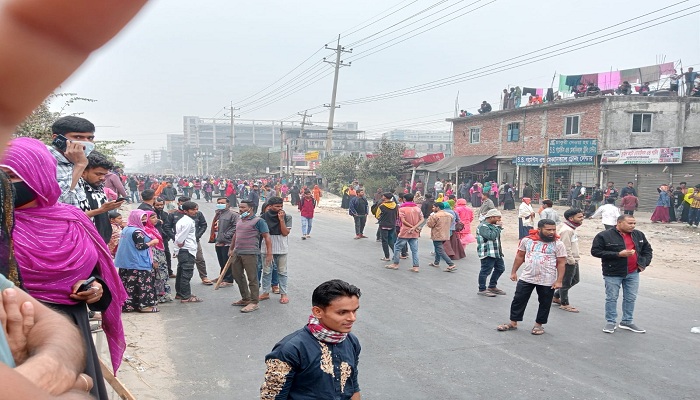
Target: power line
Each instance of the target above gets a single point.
(369, 52)
(357, 42)
(473, 74)
(368, 25)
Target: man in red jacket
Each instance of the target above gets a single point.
(306, 205)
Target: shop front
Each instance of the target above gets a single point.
(647, 169)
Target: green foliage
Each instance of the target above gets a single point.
(38, 124)
(113, 149)
(338, 171)
(383, 170)
(251, 161)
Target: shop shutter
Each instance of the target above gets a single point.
(620, 174)
(688, 172)
(649, 178)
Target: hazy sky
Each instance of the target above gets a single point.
(183, 57)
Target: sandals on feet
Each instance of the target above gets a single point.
(569, 308)
(414, 269)
(434, 265)
(249, 308)
(385, 259)
(149, 310)
(506, 327)
(391, 266)
(207, 282)
(240, 303)
(537, 330)
(264, 296)
(284, 300)
(192, 299)
(451, 268)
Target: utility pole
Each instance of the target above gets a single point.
(233, 130)
(301, 135)
(338, 63)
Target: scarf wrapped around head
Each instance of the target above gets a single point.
(152, 231)
(57, 244)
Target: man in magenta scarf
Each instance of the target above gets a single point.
(57, 247)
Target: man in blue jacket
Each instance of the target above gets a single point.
(359, 209)
(625, 253)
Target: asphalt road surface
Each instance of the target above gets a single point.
(429, 336)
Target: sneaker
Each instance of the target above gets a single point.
(486, 293)
(609, 328)
(303, 238)
(631, 327)
(497, 291)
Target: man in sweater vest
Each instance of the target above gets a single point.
(244, 250)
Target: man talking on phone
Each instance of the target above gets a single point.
(95, 204)
(73, 139)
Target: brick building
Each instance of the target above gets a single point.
(586, 129)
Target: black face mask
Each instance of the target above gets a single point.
(23, 194)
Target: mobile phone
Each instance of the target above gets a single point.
(60, 142)
(121, 199)
(86, 285)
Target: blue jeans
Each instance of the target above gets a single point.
(279, 268)
(440, 253)
(489, 264)
(275, 278)
(135, 196)
(412, 243)
(630, 286)
(306, 226)
(693, 216)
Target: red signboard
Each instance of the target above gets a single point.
(428, 159)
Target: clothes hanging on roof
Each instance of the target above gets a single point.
(609, 80)
(573, 81)
(590, 78)
(550, 95)
(540, 92)
(667, 68)
(529, 91)
(630, 75)
(651, 73)
(563, 87)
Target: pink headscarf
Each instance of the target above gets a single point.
(152, 231)
(57, 245)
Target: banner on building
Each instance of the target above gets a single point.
(428, 159)
(536, 161)
(311, 156)
(664, 155)
(572, 147)
(298, 157)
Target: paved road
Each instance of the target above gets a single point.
(429, 336)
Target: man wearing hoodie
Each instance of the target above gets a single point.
(169, 193)
(411, 219)
(386, 214)
(543, 257)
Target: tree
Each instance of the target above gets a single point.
(38, 124)
(250, 160)
(338, 170)
(113, 149)
(384, 168)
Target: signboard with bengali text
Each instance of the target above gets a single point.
(663, 155)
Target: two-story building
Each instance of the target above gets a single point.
(640, 139)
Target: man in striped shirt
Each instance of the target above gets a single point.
(543, 257)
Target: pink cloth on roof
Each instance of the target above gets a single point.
(667, 68)
(57, 245)
(589, 78)
(609, 80)
(540, 92)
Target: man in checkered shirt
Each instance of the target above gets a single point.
(488, 242)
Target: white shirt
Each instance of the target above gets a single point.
(184, 233)
(525, 212)
(438, 185)
(609, 214)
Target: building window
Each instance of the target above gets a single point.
(572, 125)
(474, 135)
(513, 132)
(641, 123)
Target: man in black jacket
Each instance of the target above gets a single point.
(386, 215)
(359, 209)
(624, 252)
(201, 226)
(167, 230)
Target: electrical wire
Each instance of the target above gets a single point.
(474, 74)
(343, 34)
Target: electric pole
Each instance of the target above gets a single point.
(301, 136)
(233, 131)
(338, 63)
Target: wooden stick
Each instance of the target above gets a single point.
(223, 272)
(115, 383)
